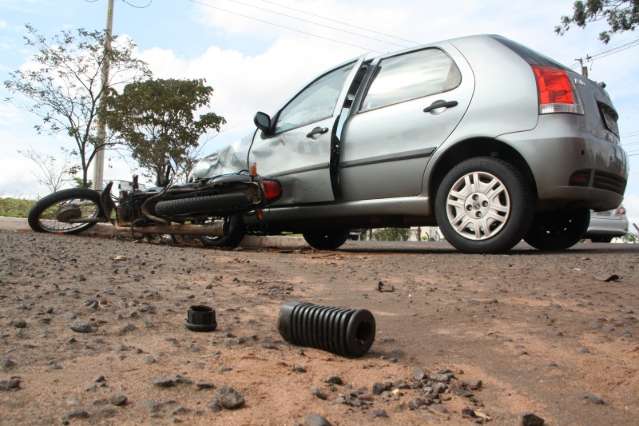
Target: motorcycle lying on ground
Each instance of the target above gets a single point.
(210, 209)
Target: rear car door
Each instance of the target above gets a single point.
(413, 102)
(298, 153)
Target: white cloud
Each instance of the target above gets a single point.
(3, 24)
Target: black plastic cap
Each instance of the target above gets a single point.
(201, 318)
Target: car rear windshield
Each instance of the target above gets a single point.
(528, 55)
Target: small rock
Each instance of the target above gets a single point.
(205, 385)
(379, 413)
(81, 327)
(316, 420)
(385, 288)
(531, 419)
(7, 363)
(100, 379)
(11, 384)
(18, 323)
(76, 414)
(378, 388)
(127, 329)
(228, 398)
(299, 369)
(149, 359)
(319, 393)
(418, 373)
(594, 399)
(334, 380)
(417, 403)
(118, 400)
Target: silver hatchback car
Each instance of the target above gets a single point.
(485, 138)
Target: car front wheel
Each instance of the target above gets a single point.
(558, 230)
(484, 205)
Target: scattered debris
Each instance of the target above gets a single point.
(385, 288)
(613, 278)
(119, 400)
(531, 419)
(12, 384)
(595, 399)
(316, 420)
(81, 327)
(228, 398)
(169, 382)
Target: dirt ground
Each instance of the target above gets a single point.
(544, 333)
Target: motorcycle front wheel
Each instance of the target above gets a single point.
(69, 211)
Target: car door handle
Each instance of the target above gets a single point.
(440, 104)
(317, 131)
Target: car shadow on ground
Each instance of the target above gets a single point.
(521, 250)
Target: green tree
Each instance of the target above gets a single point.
(61, 84)
(157, 120)
(391, 234)
(621, 15)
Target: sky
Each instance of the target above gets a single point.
(257, 53)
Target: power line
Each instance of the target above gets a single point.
(264, 21)
(611, 51)
(275, 12)
(340, 22)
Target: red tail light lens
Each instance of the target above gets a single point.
(556, 92)
(272, 189)
(621, 211)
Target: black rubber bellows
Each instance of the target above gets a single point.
(201, 318)
(345, 332)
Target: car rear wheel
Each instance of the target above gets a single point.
(326, 239)
(558, 230)
(484, 205)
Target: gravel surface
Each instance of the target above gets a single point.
(92, 331)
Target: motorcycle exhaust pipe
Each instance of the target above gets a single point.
(214, 230)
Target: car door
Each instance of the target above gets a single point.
(298, 153)
(413, 102)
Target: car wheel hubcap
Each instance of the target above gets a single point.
(478, 206)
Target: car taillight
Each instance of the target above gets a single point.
(556, 92)
(620, 211)
(272, 189)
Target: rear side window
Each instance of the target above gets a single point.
(410, 76)
(528, 55)
(316, 102)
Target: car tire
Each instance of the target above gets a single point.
(558, 230)
(234, 231)
(484, 205)
(601, 239)
(326, 239)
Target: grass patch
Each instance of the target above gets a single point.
(15, 207)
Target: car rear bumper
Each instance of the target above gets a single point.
(557, 150)
(607, 226)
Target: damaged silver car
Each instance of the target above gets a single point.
(485, 138)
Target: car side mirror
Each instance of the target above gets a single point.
(263, 122)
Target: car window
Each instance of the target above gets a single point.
(410, 76)
(314, 103)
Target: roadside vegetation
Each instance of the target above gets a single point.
(15, 207)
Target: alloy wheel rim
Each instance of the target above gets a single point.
(478, 205)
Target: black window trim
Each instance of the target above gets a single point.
(277, 115)
(378, 69)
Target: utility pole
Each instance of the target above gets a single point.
(98, 165)
(584, 66)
